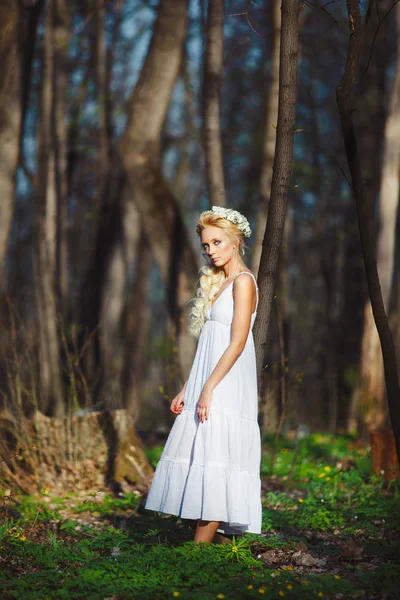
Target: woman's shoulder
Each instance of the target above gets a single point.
(243, 282)
(239, 275)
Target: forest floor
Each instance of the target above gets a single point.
(330, 530)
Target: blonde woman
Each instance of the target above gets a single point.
(209, 471)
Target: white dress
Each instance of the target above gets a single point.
(211, 470)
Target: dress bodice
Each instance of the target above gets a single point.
(222, 309)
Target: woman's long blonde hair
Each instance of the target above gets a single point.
(211, 277)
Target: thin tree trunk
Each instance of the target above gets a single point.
(102, 85)
(51, 389)
(135, 327)
(372, 388)
(281, 173)
(213, 62)
(60, 90)
(115, 293)
(344, 100)
(10, 115)
(104, 250)
(269, 136)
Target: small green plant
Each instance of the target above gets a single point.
(238, 551)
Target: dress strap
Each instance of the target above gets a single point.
(255, 283)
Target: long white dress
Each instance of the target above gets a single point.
(211, 470)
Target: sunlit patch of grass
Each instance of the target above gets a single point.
(107, 565)
(154, 454)
(70, 547)
(333, 494)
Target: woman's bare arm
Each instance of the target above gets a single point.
(244, 294)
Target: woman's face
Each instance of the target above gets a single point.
(217, 245)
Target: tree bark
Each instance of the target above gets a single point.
(62, 24)
(104, 245)
(372, 387)
(81, 452)
(139, 147)
(281, 173)
(344, 100)
(51, 389)
(135, 324)
(10, 115)
(269, 137)
(213, 63)
(139, 150)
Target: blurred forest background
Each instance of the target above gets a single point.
(106, 160)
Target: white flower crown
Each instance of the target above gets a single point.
(233, 216)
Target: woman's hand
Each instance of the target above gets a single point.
(203, 405)
(177, 403)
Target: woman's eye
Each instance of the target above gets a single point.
(217, 242)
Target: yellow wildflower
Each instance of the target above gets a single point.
(301, 500)
(327, 468)
(328, 479)
(220, 596)
(322, 475)
(281, 593)
(250, 587)
(289, 587)
(176, 593)
(22, 538)
(261, 590)
(337, 576)
(234, 548)
(320, 594)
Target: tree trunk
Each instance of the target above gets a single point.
(10, 115)
(104, 247)
(372, 388)
(344, 93)
(77, 453)
(213, 62)
(135, 323)
(92, 286)
(103, 90)
(51, 389)
(139, 150)
(269, 137)
(139, 147)
(281, 173)
(62, 24)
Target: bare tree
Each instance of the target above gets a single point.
(51, 387)
(10, 114)
(271, 117)
(372, 388)
(213, 61)
(344, 100)
(140, 153)
(136, 330)
(281, 173)
(62, 29)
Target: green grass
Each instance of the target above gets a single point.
(319, 502)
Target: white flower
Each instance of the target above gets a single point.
(233, 216)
